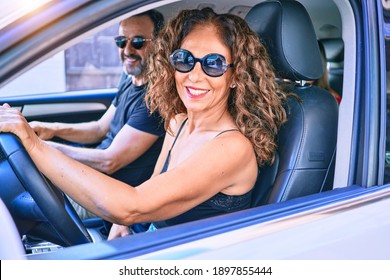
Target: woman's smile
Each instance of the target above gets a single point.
(193, 92)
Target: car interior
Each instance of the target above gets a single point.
(307, 143)
(334, 54)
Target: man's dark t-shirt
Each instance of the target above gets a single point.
(131, 110)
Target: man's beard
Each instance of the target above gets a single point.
(136, 70)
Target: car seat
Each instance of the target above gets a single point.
(334, 52)
(304, 159)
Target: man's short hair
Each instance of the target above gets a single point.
(157, 19)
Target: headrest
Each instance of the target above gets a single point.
(287, 32)
(334, 49)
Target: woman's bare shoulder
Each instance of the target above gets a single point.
(235, 143)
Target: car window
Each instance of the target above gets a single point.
(91, 64)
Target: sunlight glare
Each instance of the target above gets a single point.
(12, 10)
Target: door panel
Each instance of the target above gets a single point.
(77, 106)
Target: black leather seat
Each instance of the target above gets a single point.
(307, 141)
(334, 52)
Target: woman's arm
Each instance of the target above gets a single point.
(226, 164)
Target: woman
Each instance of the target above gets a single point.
(222, 116)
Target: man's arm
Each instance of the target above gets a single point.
(127, 146)
(84, 133)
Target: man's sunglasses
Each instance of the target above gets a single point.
(136, 42)
(213, 64)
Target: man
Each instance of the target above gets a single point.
(130, 139)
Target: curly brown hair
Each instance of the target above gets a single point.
(256, 103)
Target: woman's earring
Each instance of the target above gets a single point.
(233, 86)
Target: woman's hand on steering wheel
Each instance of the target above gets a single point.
(12, 121)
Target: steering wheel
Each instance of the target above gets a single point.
(52, 203)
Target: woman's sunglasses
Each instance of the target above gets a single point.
(213, 64)
(136, 42)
